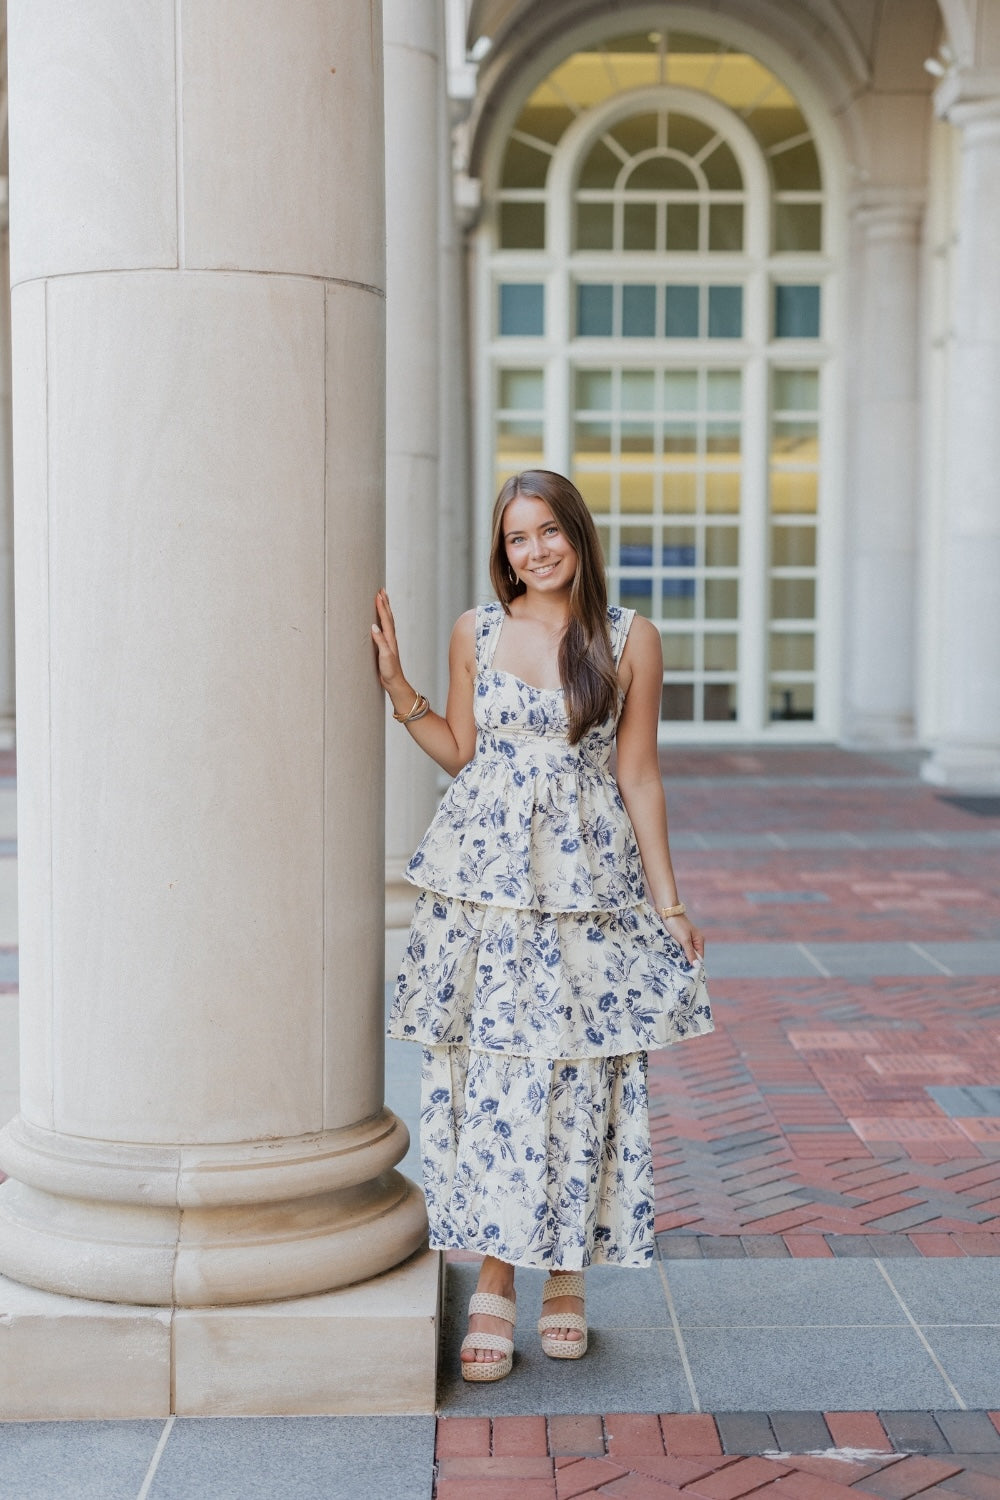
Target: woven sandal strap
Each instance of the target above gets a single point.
(494, 1341)
(563, 1284)
(562, 1320)
(494, 1306)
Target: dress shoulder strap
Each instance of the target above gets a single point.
(619, 624)
(489, 618)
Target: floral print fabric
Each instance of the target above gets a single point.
(536, 978)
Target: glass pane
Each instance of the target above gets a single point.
(593, 437)
(796, 312)
(798, 226)
(522, 308)
(639, 226)
(678, 652)
(776, 121)
(723, 390)
(678, 601)
(679, 536)
(725, 312)
(639, 312)
(721, 653)
(522, 226)
(720, 700)
(796, 390)
(596, 490)
(795, 440)
(725, 226)
(636, 545)
(722, 169)
(797, 170)
(636, 593)
(680, 494)
(547, 118)
(638, 390)
(682, 312)
(793, 598)
(638, 437)
(519, 444)
(521, 390)
(792, 653)
(680, 442)
(722, 438)
(524, 166)
(636, 492)
(601, 168)
(593, 390)
(661, 174)
(722, 492)
(677, 702)
(793, 493)
(637, 133)
(793, 546)
(594, 310)
(680, 391)
(595, 226)
(793, 700)
(722, 546)
(685, 133)
(722, 597)
(682, 226)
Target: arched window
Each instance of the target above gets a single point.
(655, 311)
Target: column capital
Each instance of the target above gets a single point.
(970, 98)
(889, 212)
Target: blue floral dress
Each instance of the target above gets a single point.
(536, 978)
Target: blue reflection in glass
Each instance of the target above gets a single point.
(639, 312)
(522, 309)
(796, 312)
(725, 312)
(594, 310)
(682, 312)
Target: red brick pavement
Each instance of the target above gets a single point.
(643, 1456)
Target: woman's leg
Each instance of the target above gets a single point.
(497, 1277)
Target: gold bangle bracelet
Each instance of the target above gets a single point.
(402, 718)
(420, 706)
(673, 911)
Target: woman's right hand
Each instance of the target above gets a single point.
(384, 635)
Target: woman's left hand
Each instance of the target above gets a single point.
(683, 931)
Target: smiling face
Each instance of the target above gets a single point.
(537, 550)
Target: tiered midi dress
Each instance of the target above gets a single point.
(536, 978)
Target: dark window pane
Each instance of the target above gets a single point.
(524, 166)
(798, 169)
(639, 312)
(722, 169)
(637, 133)
(601, 168)
(684, 132)
(639, 226)
(522, 308)
(725, 312)
(725, 226)
(682, 312)
(682, 226)
(660, 173)
(595, 226)
(678, 701)
(594, 310)
(522, 226)
(798, 226)
(796, 312)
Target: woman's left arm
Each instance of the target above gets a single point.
(639, 779)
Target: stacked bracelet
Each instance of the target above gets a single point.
(673, 911)
(420, 707)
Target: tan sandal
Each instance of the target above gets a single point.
(489, 1369)
(563, 1284)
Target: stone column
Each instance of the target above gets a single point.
(197, 199)
(6, 502)
(412, 104)
(882, 519)
(967, 752)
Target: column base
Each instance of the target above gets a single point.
(368, 1350)
(964, 768)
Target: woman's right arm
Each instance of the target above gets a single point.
(450, 739)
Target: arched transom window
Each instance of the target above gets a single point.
(655, 322)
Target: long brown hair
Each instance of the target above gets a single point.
(586, 662)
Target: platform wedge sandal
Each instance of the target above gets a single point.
(489, 1369)
(563, 1284)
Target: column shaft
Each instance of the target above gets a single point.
(881, 539)
(968, 751)
(197, 203)
(412, 95)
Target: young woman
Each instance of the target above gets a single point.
(549, 949)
